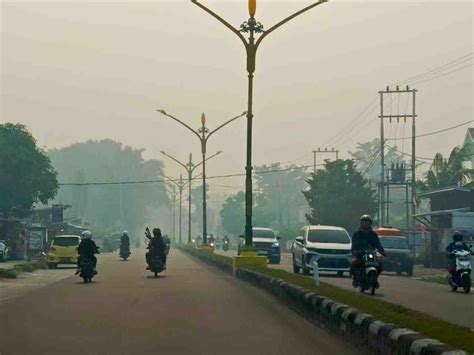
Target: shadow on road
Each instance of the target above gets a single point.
(156, 277)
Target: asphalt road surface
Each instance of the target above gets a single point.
(191, 309)
(430, 298)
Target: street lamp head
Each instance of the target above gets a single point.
(203, 119)
(252, 7)
(162, 152)
(190, 156)
(219, 152)
(163, 112)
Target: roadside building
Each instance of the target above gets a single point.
(451, 209)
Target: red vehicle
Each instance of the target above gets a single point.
(399, 257)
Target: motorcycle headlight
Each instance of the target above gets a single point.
(275, 245)
(212, 244)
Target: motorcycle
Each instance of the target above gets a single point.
(461, 277)
(125, 253)
(87, 270)
(225, 246)
(156, 265)
(368, 275)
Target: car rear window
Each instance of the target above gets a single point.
(259, 233)
(66, 241)
(329, 236)
(394, 243)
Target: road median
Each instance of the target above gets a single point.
(370, 323)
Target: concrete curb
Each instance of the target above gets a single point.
(360, 329)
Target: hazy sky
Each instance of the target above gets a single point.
(72, 71)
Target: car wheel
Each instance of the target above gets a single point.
(296, 268)
(410, 272)
(50, 266)
(340, 273)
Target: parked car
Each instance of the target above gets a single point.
(266, 243)
(3, 250)
(329, 246)
(399, 257)
(63, 250)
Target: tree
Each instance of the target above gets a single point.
(26, 174)
(278, 199)
(448, 172)
(338, 195)
(110, 208)
(232, 213)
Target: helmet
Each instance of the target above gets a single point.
(457, 236)
(125, 232)
(366, 217)
(86, 235)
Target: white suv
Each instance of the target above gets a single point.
(329, 246)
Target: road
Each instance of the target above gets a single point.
(191, 309)
(430, 298)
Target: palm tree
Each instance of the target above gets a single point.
(448, 172)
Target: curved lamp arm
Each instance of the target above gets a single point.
(225, 123)
(163, 112)
(282, 22)
(200, 163)
(221, 20)
(176, 160)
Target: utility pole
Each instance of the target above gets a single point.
(325, 151)
(383, 187)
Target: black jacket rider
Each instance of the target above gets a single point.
(362, 240)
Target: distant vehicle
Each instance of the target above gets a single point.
(367, 277)
(266, 243)
(4, 251)
(329, 246)
(87, 270)
(399, 257)
(63, 250)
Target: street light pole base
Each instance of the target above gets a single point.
(206, 247)
(248, 260)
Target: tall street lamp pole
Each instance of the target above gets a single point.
(253, 28)
(190, 167)
(203, 133)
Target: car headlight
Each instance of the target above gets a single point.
(275, 245)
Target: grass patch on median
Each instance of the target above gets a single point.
(8, 274)
(446, 332)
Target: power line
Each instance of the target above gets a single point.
(439, 76)
(303, 167)
(436, 132)
(454, 62)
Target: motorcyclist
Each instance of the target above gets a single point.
(125, 242)
(457, 244)
(87, 249)
(156, 247)
(364, 239)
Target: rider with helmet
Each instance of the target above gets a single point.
(87, 249)
(156, 247)
(457, 244)
(365, 238)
